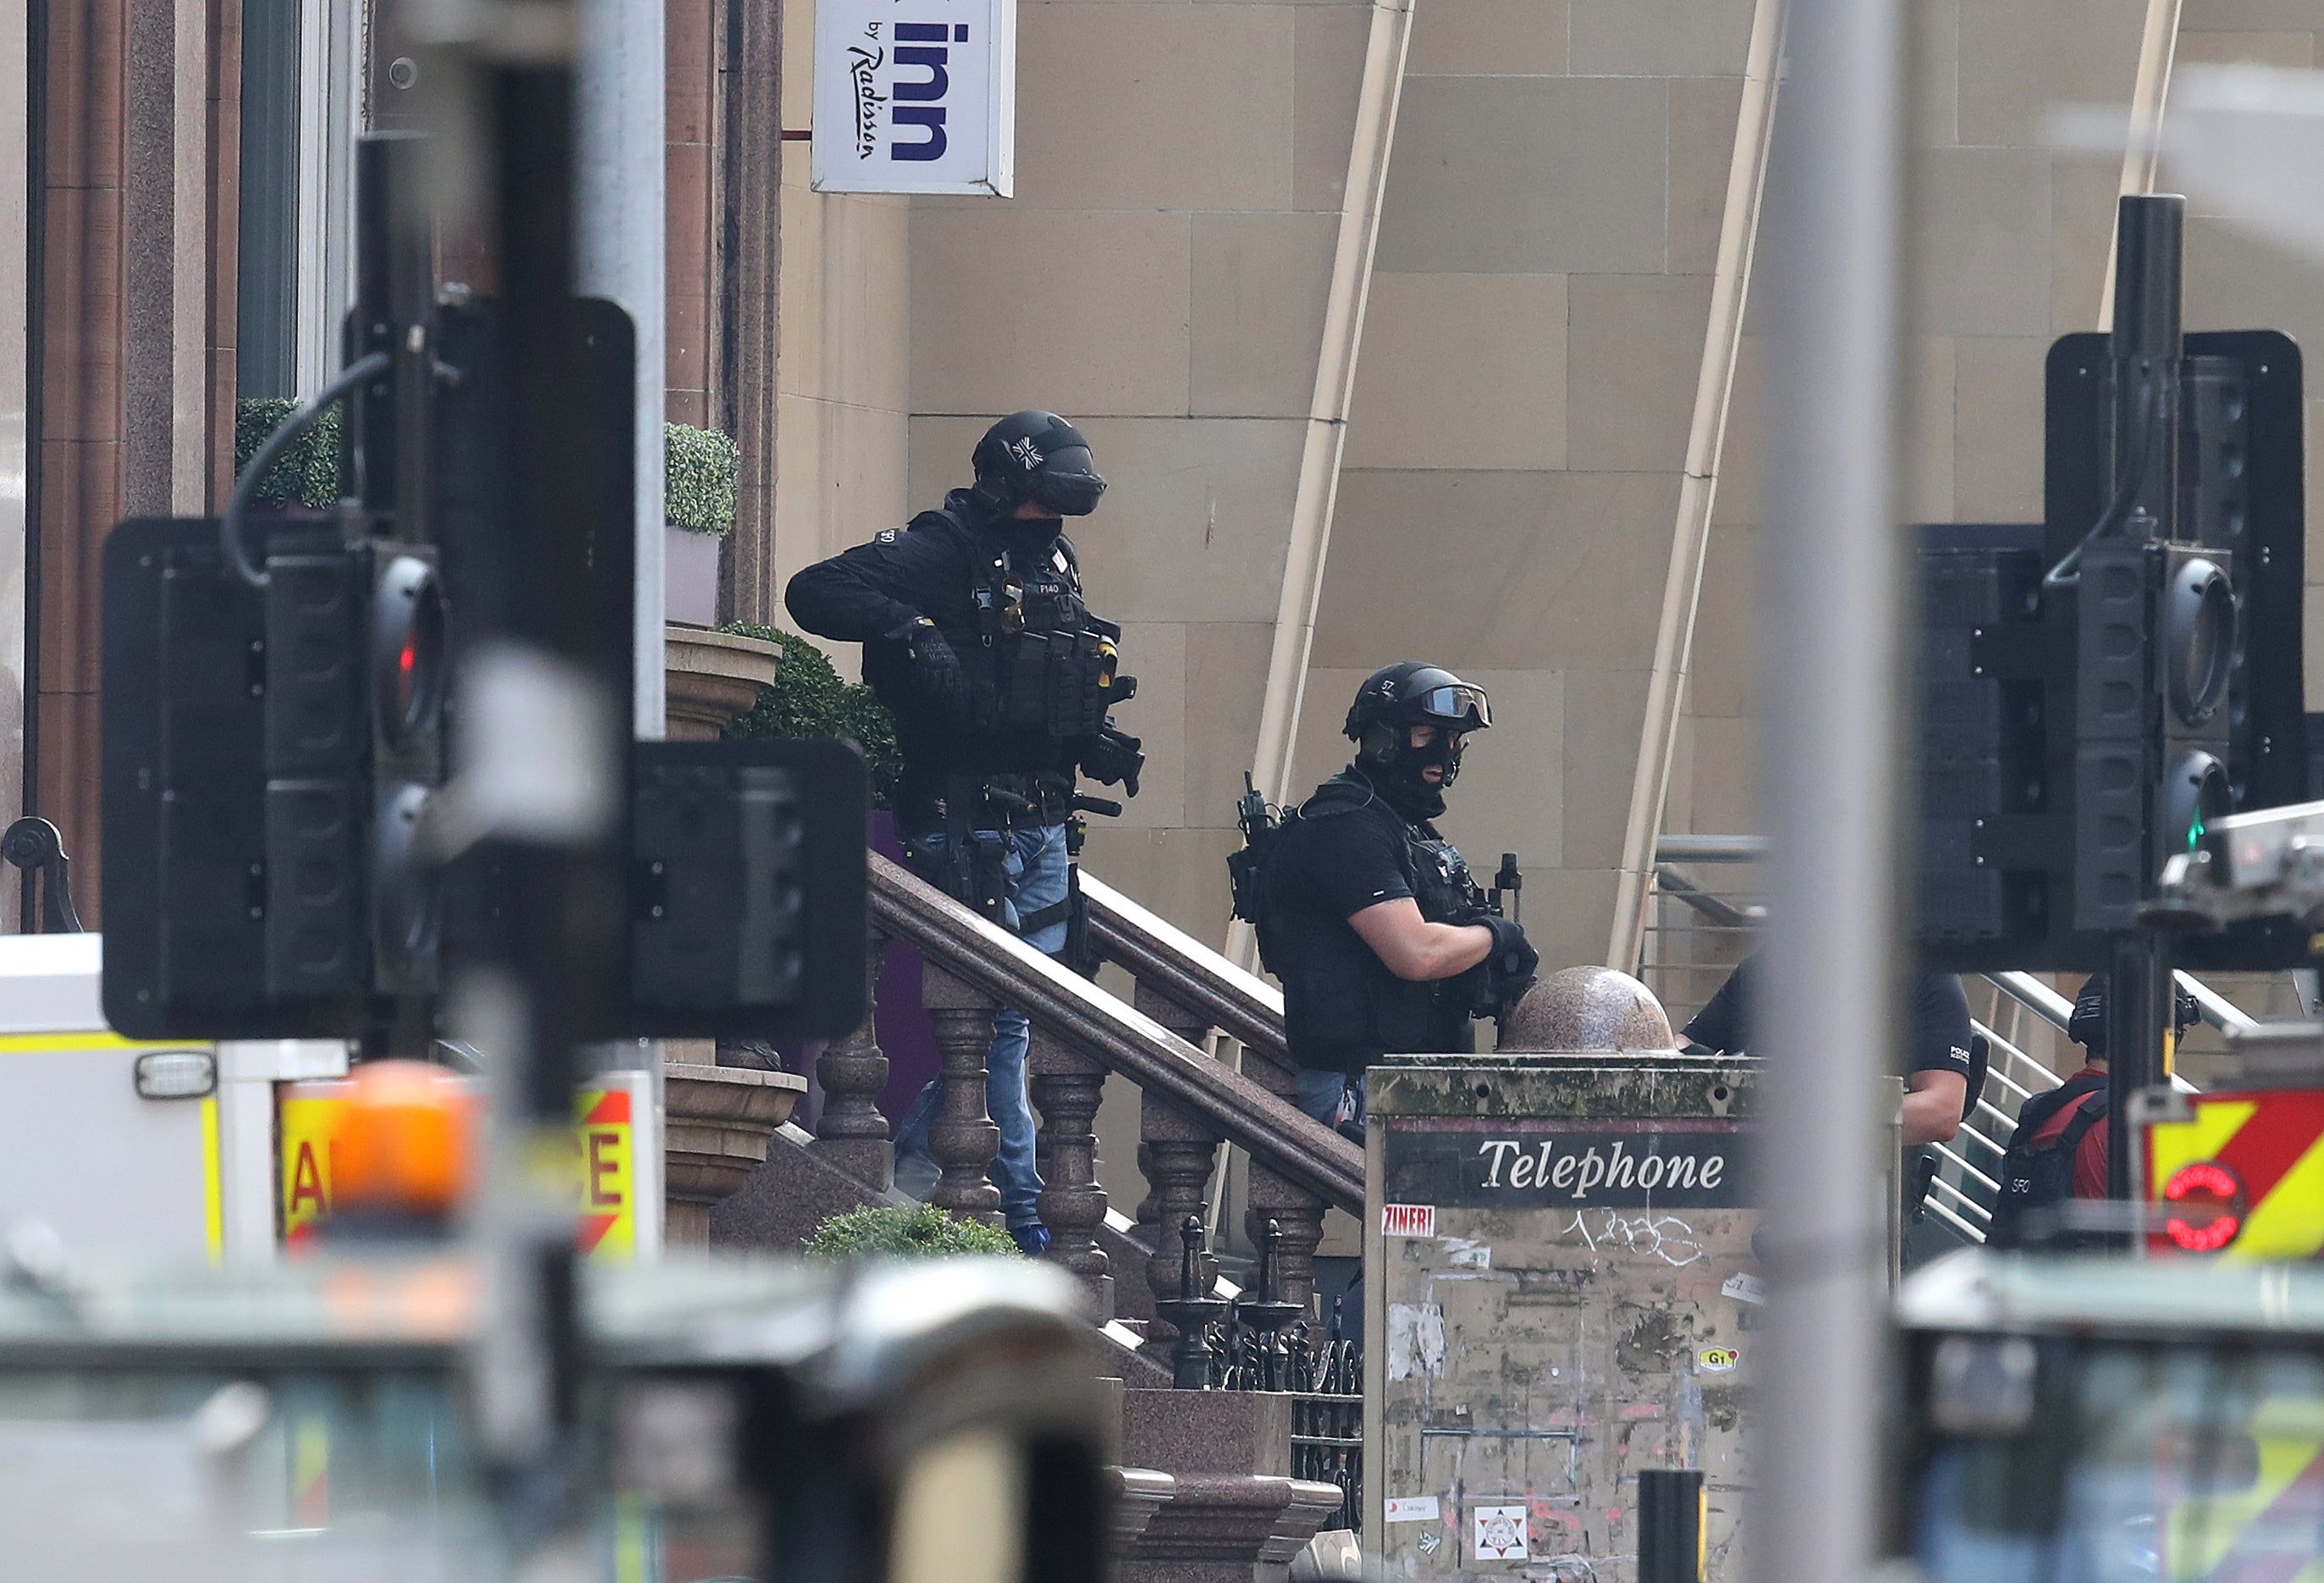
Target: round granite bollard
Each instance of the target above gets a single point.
(1588, 1008)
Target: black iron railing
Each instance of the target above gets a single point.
(1261, 1342)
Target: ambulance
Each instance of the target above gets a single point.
(185, 1151)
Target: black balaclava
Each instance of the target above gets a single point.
(1027, 539)
(1398, 780)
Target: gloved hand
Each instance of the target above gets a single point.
(1510, 966)
(937, 671)
(1115, 756)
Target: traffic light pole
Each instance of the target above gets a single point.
(2145, 349)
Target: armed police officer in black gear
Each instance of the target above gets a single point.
(976, 638)
(1384, 943)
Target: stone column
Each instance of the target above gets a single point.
(1067, 1088)
(851, 1134)
(963, 1140)
(719, 1120)
(1272, 1198)
(1177, 1154)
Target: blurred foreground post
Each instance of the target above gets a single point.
(1829, 780)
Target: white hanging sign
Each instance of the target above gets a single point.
(915, 96)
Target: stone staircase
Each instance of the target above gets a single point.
(1206, 1492)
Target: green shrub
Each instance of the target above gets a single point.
(920, 1232)
(700, 466)
(807, 698)
(697, 490)
(307, 473)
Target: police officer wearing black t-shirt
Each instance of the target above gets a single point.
(1939, 1057)
(1370, 918)
(1000, 678)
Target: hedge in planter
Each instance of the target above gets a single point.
(700, 468)
(923, 1231)
(701, 465)
(308, 472)
(807, 698)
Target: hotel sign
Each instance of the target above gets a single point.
(915, 95)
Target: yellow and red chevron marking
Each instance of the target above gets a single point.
(603, 1164)
(607, 1141)
(2272, 1139)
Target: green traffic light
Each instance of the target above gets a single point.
(2195, 833)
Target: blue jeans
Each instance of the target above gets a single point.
(1035, 865)
(1321, 1094)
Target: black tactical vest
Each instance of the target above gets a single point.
(1339, 998)
(1038, 660)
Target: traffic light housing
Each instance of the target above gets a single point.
(2118, 675)
(355, 662)
(2157, 633)
(262, 784)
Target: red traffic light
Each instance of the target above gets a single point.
(407, 651)
(2209, 1199)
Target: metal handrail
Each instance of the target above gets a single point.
(1682, 848)
(995, 963)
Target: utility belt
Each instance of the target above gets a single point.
(971, 864)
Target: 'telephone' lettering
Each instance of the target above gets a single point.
(1618, 1166)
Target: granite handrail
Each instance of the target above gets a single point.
(1182, 969)
(1079, 1014)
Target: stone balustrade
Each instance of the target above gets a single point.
(1191, 1103)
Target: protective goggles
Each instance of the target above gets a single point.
(1458, 707)
(1066, 483)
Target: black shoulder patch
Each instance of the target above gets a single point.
(886, 535)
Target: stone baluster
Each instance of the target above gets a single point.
(1298, 1211)
(851, 1134)
(1067, 1086)
(1178, 1154)
(964, 1139)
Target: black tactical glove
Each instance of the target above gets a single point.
(1113, 757)
(1509, 966)
(937, 671)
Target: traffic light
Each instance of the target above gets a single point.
(2156, 638)
(2097, 688)
(355, 664)
(278, 693)
(1990, 684)
(268, 756)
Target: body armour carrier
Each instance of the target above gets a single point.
(1352, 1003)
(1041, 662)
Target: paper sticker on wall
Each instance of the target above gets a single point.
(1408, 1220)
(1431, 1541)
(1466, 1254)
(1412, 1509)
(1745, 1287)
(1717, 1360)
(1415, 1340)
(1500, 1533)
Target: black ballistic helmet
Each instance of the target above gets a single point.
(1409, 693)
(1038, 457)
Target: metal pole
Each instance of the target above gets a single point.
(1830, 775)
(622, 152)
(2145, 347)
(621, 88)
